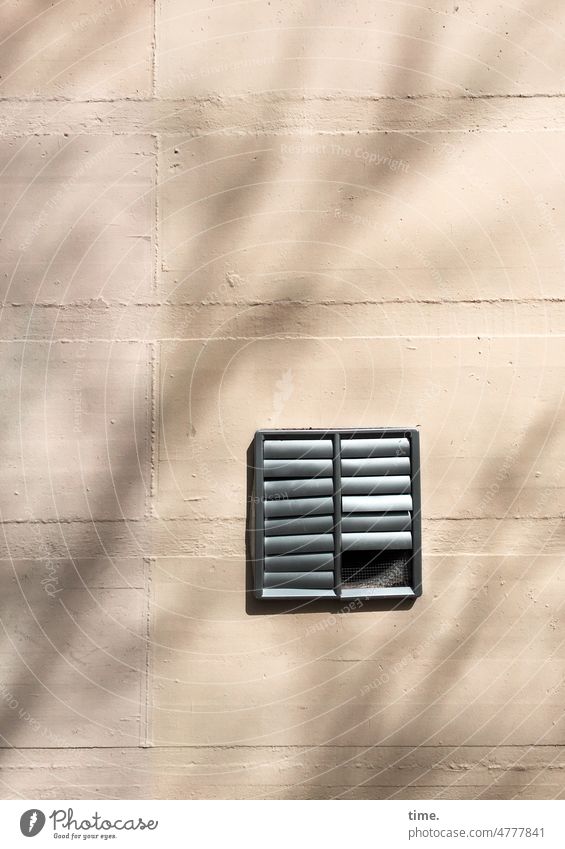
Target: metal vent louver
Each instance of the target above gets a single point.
(337, 514)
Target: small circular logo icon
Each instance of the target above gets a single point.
(32, 822)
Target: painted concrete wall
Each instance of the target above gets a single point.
(224, 216)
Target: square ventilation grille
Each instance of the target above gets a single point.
(337, 514)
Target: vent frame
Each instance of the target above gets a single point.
(340, 590)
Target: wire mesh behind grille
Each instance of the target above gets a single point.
(381, 569)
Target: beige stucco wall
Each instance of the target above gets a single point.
(224, 216)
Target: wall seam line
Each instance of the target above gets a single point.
(145, 731)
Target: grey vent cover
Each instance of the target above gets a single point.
(337, 514)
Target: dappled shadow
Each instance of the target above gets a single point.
(196, 266)
(276, 241)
